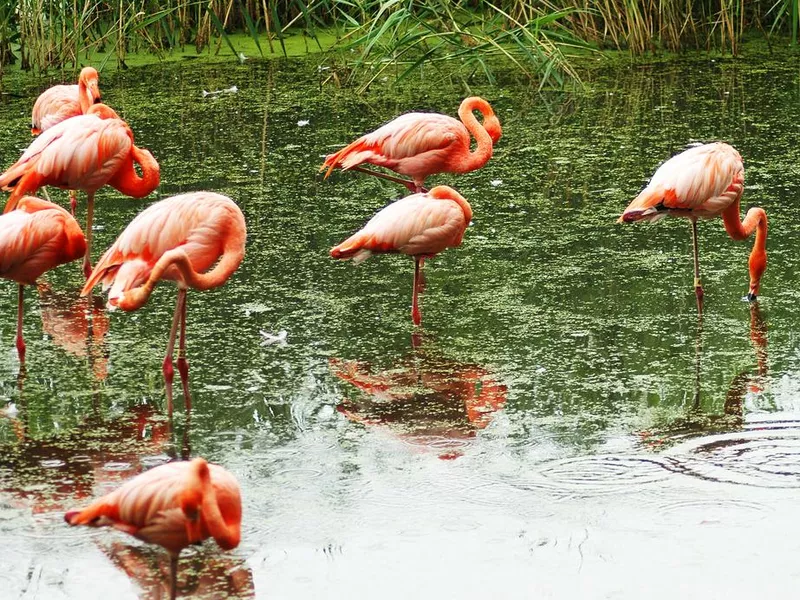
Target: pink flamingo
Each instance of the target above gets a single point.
(84, 153)
(421, 144)
(179, 239)
(420, 225)
(62, 102)
(172, 505)
(701, 183)
(35, 237)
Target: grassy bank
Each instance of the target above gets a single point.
(366, 40)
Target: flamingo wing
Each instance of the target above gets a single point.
(80, 153)
(406, 136)
(35, 242)
(703, 179)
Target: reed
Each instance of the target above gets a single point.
(389, 38)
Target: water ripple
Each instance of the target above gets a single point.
(764, 456)
(595, 475)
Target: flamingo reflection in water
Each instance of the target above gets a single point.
(746, 383)
(71, 467)
(425, 399)
(78, 325)
(204, 574)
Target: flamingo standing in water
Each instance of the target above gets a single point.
(420, 225)
(84, 153)
(35, 237)
(421, 144)
(701, 183)
(179, 238)
(172, 505)
(62, 102)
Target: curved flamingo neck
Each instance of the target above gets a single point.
(483, 152)
(755, 220)
(232, 256)
(127, 181)
(443, 192)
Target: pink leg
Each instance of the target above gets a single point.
(416, 316)
(183, 364)
(73, 201)
(413, 187)
(20, 341)
(87, 258)
(167, 368)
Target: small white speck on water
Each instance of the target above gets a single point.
(303, 123)
(496, 182)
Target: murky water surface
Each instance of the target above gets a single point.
(562, 427)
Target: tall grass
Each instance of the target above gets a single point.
(388, 38)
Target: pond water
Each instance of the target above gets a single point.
(563, 426)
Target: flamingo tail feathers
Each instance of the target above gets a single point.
(350, 156)
(356, 247)
(648, 206)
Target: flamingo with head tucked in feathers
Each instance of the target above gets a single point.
(35, 237)
(83, 153)
(420, 225)
(421, 144)
(701, 183)
(180, 238)
(172, 505)
(62, 102)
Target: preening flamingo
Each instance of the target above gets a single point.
(172, 505)
(84, 153)
(179, 238)
(421, 144)
(62, 102)
(420, 225)
(701, 183)
(35, 237)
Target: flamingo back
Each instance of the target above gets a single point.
(198, 222)
(418, 225)
(701, 181)
(37, 237)
(53, 106)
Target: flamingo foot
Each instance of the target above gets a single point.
(87, 268)
(416, 317)
(169, 375)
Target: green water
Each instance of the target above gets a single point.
(561, 408)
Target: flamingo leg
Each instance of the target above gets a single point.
(47, 196)
(698, 287)
(87, 258)
(412, 186)
(183, 364)
(173, 576)
(73, 201)
(167, 368)
(416, 316)
(20, 341)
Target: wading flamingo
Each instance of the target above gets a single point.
(35, 237)
(62, 102)
(420, 225)
(84, 153)
(179, 238)
(172, 505)
(421, 144)
(702, 183)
